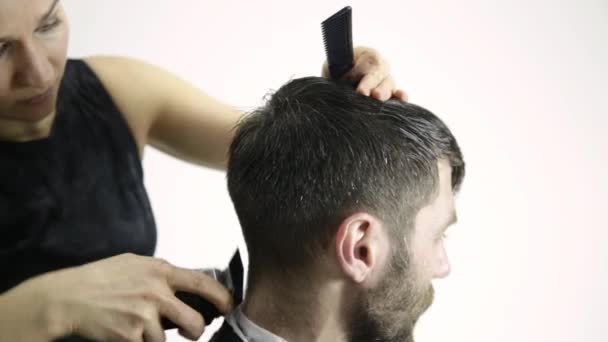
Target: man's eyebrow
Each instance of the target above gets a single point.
(46, 16)
(453, 219)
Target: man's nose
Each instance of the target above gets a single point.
(443, 266)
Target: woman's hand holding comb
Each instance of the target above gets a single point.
(372, 75)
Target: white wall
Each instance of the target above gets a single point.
(522, 84)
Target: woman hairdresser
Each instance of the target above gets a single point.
(77, 233)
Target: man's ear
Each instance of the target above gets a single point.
(361, 246)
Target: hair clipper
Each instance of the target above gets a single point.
(231, 278)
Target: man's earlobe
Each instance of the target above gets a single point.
(358, 245)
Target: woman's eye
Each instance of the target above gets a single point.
(3, 49)
(49, 26)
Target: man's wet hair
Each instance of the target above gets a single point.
(316, 153)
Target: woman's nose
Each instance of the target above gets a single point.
(34, 69)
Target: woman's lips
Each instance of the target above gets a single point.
(38, 99)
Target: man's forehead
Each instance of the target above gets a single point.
(444, 169)
(441, 210)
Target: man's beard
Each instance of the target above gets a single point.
(389, 311)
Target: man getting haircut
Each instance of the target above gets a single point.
(343, 202)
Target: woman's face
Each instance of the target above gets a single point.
(33, 48)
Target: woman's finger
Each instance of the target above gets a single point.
(182, 279)
(372, 80)
(400, 95)
(153, 331)
(191, 323)
(384, 90)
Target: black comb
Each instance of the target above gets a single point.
(338, 39)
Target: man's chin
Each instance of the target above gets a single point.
(394, 319)
(424, 303)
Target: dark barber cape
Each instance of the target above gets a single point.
(238, 328)
(226, 334)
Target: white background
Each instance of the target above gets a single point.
(522, 84)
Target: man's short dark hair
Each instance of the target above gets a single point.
(318, 152)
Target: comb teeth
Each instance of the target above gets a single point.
(338, 40)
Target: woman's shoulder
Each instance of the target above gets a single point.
(133, 86)
(88, 92)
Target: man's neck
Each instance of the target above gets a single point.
(299, 313)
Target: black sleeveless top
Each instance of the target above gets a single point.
(76, 196)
